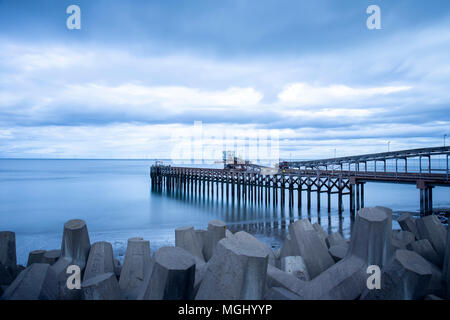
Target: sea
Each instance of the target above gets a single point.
(115, 198)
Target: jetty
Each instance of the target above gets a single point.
(242, 181)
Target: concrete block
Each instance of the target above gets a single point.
(336, 239)
(100, 260)
(6, 275)
(101, 287)
(307, 244)
(51, 256)
(446, 266)
(408, 223)
(296, 266)
(371, 236)
(287, 248)
(37, 282)
(431, 228)
(280, 293)
(338, 252)
(243, 236)
(344, 280)
(402, 239)
(172, 276)
(228, 233)
(136, 264)
(406, 276)
(8, 249)
(278, 278)
(187, 239)
(35, 256)
(60, 270)
(236, 271)
(75, 243)
(426, 250)
(216, 232)
(321, 233)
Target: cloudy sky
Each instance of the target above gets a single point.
(139, 73)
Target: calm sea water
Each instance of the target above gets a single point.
(115, 199)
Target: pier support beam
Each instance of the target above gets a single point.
(426, 198)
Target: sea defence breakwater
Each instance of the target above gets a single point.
(414, 263)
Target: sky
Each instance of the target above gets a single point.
(135, 78)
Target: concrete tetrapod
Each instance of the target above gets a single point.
(75, 243)
(101, 287)
(247, 237)
(426, 250)
(8, 260)
(100, 260)
(407, 223)
(187, 239)
(307, 244)
(431, 228)
(406, 276)
(35, 256)
(446, 266)
(215, 232)
(37, 282)
(135, 266)
(371, 237)
(295, 265)
(173, 275)
(236, 271)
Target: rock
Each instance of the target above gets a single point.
(100, 260)
(76, 244)
(60, 270)
(371, 236)
(295, 265)
(280, 293)
(336, 239)
(37, 282)
(216, 232)
(408, 223)
(338, 252)
(172, 276)
(405, 277)
(402, 239)
(426, 250)
(35, 256)
(236, 271)
(187, 239)
(307, 244)
(101, 287)
(51, 256)
(243, 236)
(8, 260)
(136, 264)
(431, 228)
(320, 232)
(344, 280)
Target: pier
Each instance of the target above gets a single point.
(343, 176)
